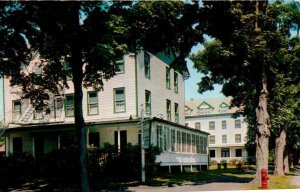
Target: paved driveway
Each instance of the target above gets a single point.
(296, 178)
(216, 186)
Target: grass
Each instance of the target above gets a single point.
(278, 182)
(231, 174)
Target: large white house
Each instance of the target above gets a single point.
(227, 134)
(145, 81)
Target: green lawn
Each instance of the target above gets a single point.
(231, 174)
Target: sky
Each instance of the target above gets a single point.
(191, 87)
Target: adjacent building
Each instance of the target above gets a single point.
(227, 134)
(145, 85)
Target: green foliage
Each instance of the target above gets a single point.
(59, 169)
(247, 44)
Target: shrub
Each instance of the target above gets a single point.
(233, 162)
(212, 162)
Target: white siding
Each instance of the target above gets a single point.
(105, 97)
(156, 84)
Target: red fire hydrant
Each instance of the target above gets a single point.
(264, 179)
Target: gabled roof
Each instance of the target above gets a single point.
(223, 104)
(205, 103)
(216, 105)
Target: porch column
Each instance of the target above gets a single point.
(7, 146)
(58, 141)
(119, 141)
(87, 137)
(33, 148)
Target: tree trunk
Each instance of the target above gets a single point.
(77, 75)
(79, 125)
(280, 144)
(262, 130)
(81, 134)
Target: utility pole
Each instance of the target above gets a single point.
(142, 145)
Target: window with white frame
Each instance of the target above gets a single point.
(173, 140)
(212, 139)
(238, 152)
(160, 137)
(69, 105)
(223, 124)
(168, 78)
(168, 109)
(17, 106)
(184, 142)
(175, 82)
(120, 68)
(176, 110)
(93, 103)
(238, 138)
(148, 102)
(119, 100)
(179, 142)
(225, 152)
(211, 125)
(194, 147)
(223, 108)
(147, 64)
(166, 138)
(197, 125)
(188, 142)
(16, 109)
(237, 123)
(198, 144)
(224, 138)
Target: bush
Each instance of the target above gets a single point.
(16, 169)
(233, 162)
(212, 162)
(61, 168)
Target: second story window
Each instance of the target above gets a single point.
(148, 102)
(212, 139)
(224, 138)
(120, 65)
(68, 69)
(238, 138)
(16, 110)
(197, 125)
(168, 78)
(211, 125)
(147, 64)
(93, 103)
(175, 82)
(176, 110)
(69, 105)
(168, 109)
(223, 124)
(17, 106)
(119, 100)
(237, 123)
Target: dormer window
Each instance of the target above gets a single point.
(223, 108)
(205, 109)
(187, 110)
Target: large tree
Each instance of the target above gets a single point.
(89, 36)
(243, 55)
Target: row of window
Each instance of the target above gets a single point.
(93, 106)
(212, 139)
(168, 73)
(92, 103)
(212, 124)
(225, 152)
(180, 141)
